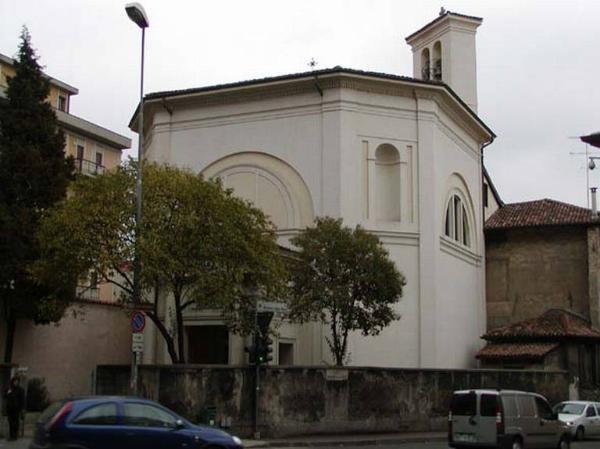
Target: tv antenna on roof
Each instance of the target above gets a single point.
(312, 63)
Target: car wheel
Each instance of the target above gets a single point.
(580, 433)
(564, 442)
(517, 444)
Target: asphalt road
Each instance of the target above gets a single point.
(441, 445)
(24, 443)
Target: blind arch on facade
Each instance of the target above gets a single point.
(387, 177)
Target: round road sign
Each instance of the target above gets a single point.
(138, 321)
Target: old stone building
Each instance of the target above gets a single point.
(541, 255)
(555, 340)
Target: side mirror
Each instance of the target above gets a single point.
(179, 424)
(554, 416)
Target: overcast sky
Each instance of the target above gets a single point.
(538, 65)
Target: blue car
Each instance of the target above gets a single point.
(122, 423)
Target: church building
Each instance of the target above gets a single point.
(401, 156)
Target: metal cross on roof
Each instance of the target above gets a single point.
(312, 64)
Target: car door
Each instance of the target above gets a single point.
(151, 427)
(97, 427)
(488, 409)
(549, 426)
(529, 421)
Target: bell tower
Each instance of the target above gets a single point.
(444, 50)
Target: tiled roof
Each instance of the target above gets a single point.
(516, 350)
(544, 212)
(553, 324)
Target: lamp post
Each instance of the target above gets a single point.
(136, 13)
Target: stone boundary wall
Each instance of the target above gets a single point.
(318, 400)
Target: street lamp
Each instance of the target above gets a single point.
(136, 13)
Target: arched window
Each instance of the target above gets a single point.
(436, 71)
(387, 178)
(457, 225)
(425, 65)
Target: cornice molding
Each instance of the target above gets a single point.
(398, 88)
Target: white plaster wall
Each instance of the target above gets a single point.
(398, 344)
(328, 141)
(460, 303)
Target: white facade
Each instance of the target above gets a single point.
(386, 152)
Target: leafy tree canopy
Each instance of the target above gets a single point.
(345, 279)
(198, 243)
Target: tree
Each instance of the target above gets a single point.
(343, 278)
(34, 175)
(199, 245)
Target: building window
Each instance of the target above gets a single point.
(457, 222)
(80, 151)
(99, 159)
(62, 103)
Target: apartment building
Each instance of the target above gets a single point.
(95, 329)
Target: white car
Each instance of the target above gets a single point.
(582, 417)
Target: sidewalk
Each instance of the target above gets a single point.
(370, 439)
(21, 443)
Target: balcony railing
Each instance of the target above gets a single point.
(88, 167)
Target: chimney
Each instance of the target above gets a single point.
(594, 205)
(444, 50)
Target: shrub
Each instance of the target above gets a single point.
(37, 395)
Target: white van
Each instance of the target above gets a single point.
(504, 419)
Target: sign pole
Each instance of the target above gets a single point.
(256, 373)
(138, 323)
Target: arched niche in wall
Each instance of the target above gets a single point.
(269, 183)
(425, 64)
(387, 179)
(459, 223)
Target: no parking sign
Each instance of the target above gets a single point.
(138, 321)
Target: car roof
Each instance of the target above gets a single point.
(579, 402)
(490, 391)
(106, 398)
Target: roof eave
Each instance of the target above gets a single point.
(307, 76)
(58, 83)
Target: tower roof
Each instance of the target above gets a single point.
(443, 17)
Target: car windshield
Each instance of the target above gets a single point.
(567, 408)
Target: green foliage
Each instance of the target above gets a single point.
(198, 243)
(345, 279)
(37, 395)
(34, 175)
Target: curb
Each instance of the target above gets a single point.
(357, 442)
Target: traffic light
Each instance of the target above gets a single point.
(264, 350)
(263, 343)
